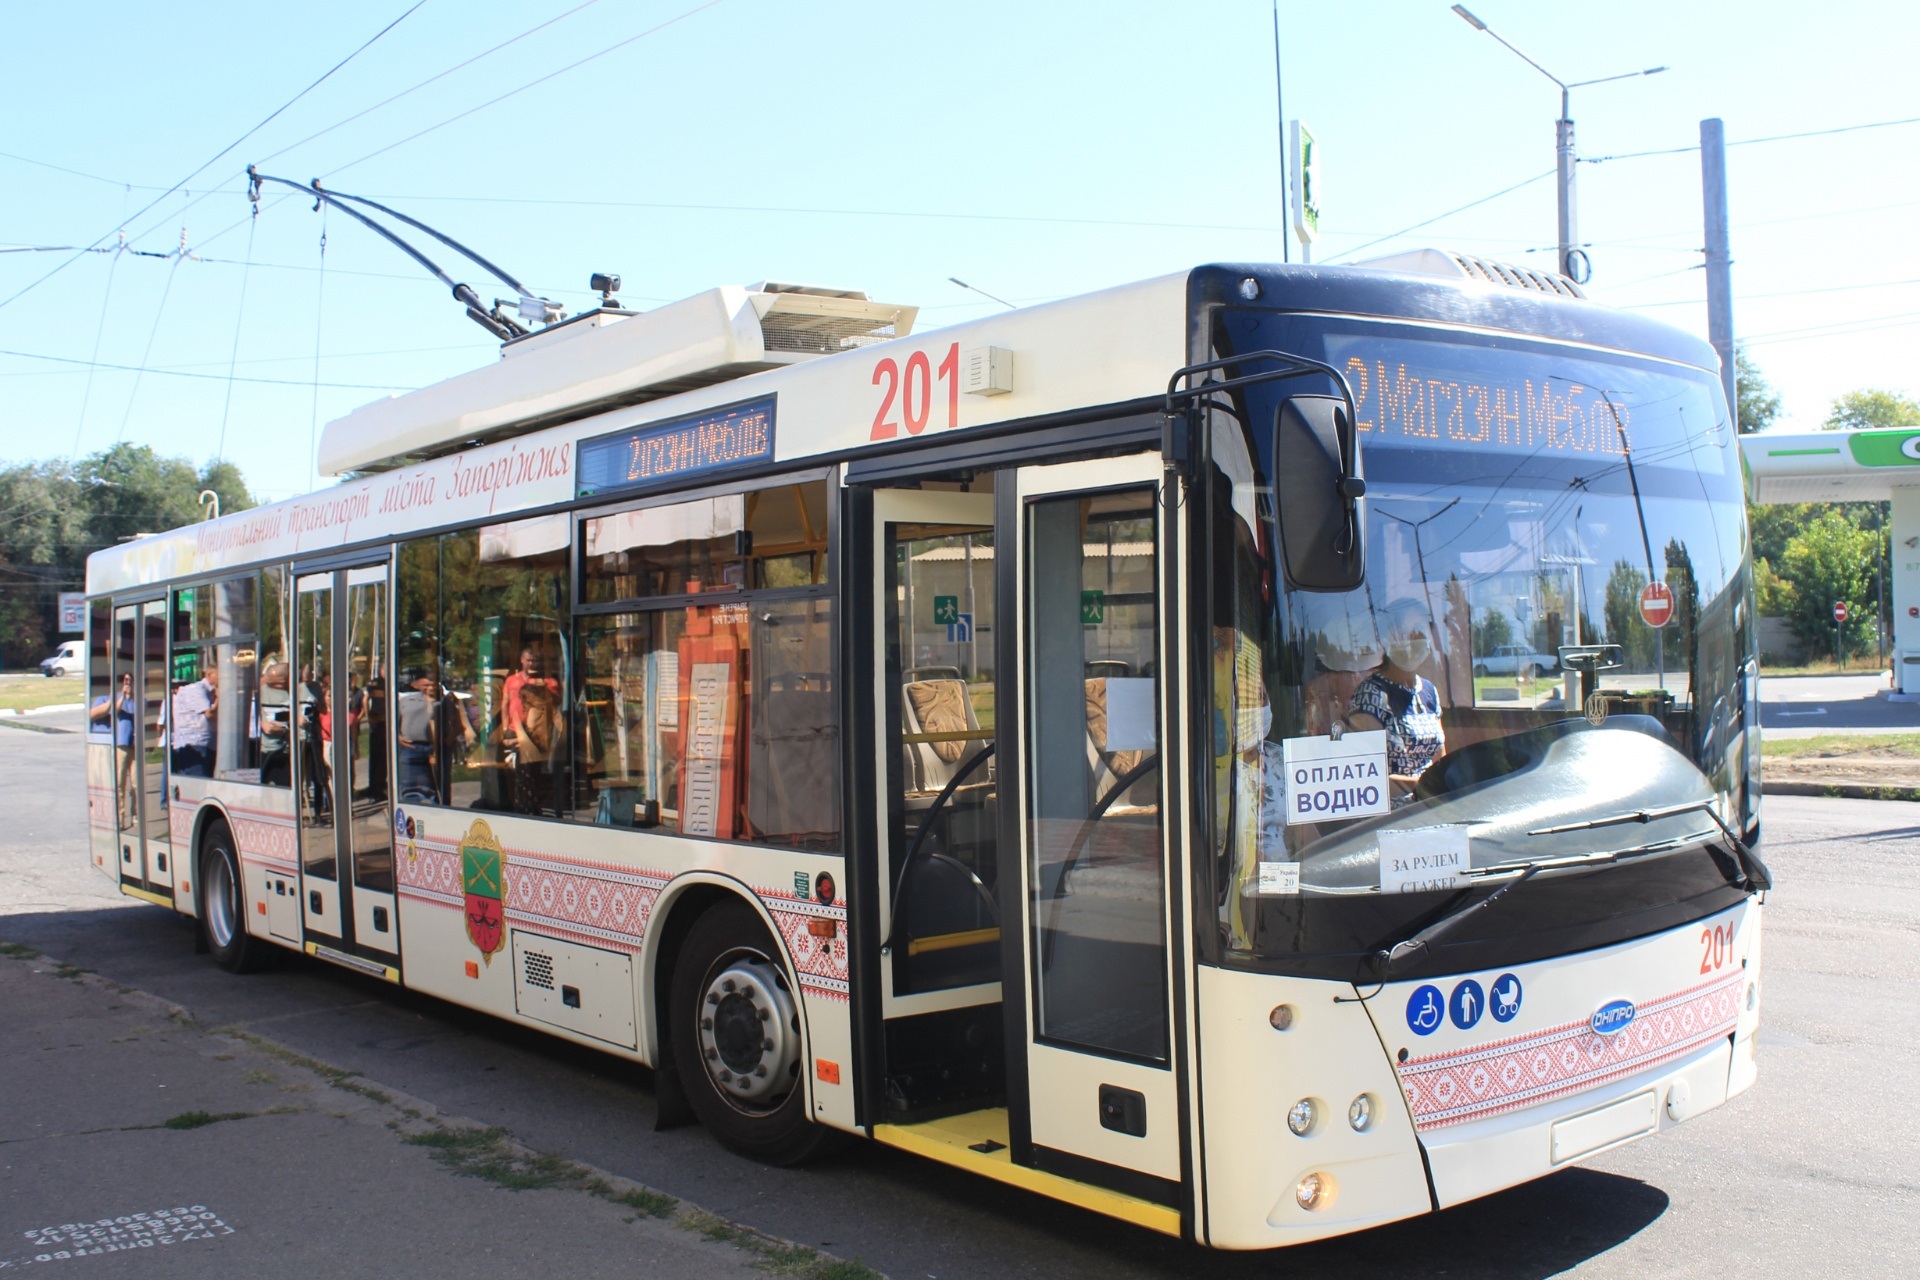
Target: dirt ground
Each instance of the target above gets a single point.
(1869, 766)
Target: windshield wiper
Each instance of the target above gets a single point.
(1390, 958)
(1753, 876)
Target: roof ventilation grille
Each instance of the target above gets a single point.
(1446, 262)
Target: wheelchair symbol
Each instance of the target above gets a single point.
(1426, 1010)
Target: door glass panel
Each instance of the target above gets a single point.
(943, 785)
(153, 772)
(313, 711)
(1093, 802)
(368, 694)
(126, 718)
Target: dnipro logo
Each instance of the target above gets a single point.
(1612, 1018)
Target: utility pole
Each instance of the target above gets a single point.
(1572, 260)
(1713, 199)
(1280, 128)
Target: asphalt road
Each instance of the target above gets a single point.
(1802, 706)
(1814, 1171)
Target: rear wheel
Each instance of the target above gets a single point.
(736, 1039)
(223, 911)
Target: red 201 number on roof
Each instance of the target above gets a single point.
(1656, 604)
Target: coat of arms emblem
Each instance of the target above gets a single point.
(483, 877)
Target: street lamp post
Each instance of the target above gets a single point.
(1565, 161)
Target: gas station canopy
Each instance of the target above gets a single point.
(1831, 466)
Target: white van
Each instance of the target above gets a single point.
(68, 660)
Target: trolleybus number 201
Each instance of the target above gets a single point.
(1716, 947)
(911, 385)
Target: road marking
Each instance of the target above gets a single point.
(116, 1235)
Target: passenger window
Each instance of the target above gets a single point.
(485, 665)
(712, 719)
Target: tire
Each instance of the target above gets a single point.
(222, 904)
(729, 992)
(1480, 670)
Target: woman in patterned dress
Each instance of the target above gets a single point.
(1397, 698)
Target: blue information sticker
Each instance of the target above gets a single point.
(1506, 998)
(1467, 1004)
(1426, 1010)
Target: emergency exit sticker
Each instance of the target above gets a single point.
(1328, 778)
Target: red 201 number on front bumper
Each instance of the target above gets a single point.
(1716, 947)
(910, 388)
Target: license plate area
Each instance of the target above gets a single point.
(1606, 1126)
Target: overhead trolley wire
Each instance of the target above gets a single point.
(1749, 142)
(204, 165)
(681, 17)
(212, 377)
(1347, 253)
(100, 328)
(147, 355)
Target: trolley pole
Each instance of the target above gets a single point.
(1713, 191)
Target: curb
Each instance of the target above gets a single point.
(1840, 790)
(36, 711)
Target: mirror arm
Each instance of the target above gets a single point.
(1352, 487)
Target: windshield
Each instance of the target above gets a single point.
(1553, 629)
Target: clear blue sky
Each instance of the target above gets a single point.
(1037, 150)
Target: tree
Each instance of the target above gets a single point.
(1757, 404)
(1870, 407)
(53, 515)
(1833, 560)
(1625, 626)
(1772, 594)
(1490, 630)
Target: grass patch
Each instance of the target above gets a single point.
(18, 951)
(1830, 745)
(26, 695)
(1864, 666)
(201, 1119)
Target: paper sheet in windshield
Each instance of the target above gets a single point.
(1336, 778)
(1424, 859)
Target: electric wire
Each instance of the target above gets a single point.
(319, 314)
(523, 88)
(99, 330)
(163, 371)
(16, 295)
(1749, 142)
(1348, 253)
(239, 315)
(147, 355)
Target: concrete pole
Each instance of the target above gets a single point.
(1713, 191)
(1565, 164)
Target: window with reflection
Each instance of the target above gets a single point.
(482, 708)
(706, 676)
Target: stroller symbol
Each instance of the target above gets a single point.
(1505, 1000)
(1426, 1010)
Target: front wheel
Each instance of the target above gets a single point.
(736, 1039)
(223, 909)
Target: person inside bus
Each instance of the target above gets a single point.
(124, 711)
(414, 716)
(1397, 698)
(529, 724)
(275, 724)
(194, 707)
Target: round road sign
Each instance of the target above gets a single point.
(1840, 611)
(1656, 604)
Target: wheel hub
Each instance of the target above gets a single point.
(748, 1040)
(220, 899)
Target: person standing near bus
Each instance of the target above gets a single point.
(194, 707)
(530, 719)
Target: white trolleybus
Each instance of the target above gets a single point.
(1256, 753)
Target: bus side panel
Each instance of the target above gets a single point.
(597, 890)
(262, 823)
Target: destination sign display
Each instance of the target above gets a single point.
(1459, 396)
(659, 452)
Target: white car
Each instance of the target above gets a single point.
(1516, 660)
(68, 660)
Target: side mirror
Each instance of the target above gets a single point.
(1320, 493)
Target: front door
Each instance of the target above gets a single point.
(1100, 1093)
(343, 705)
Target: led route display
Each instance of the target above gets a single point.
(643, 457)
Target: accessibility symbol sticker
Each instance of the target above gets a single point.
(1506, 998)
(1467, 1004)
(1426, 1010)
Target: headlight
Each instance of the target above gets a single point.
(1315, 1191)
(1300, 1118)
(1360, 1112)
